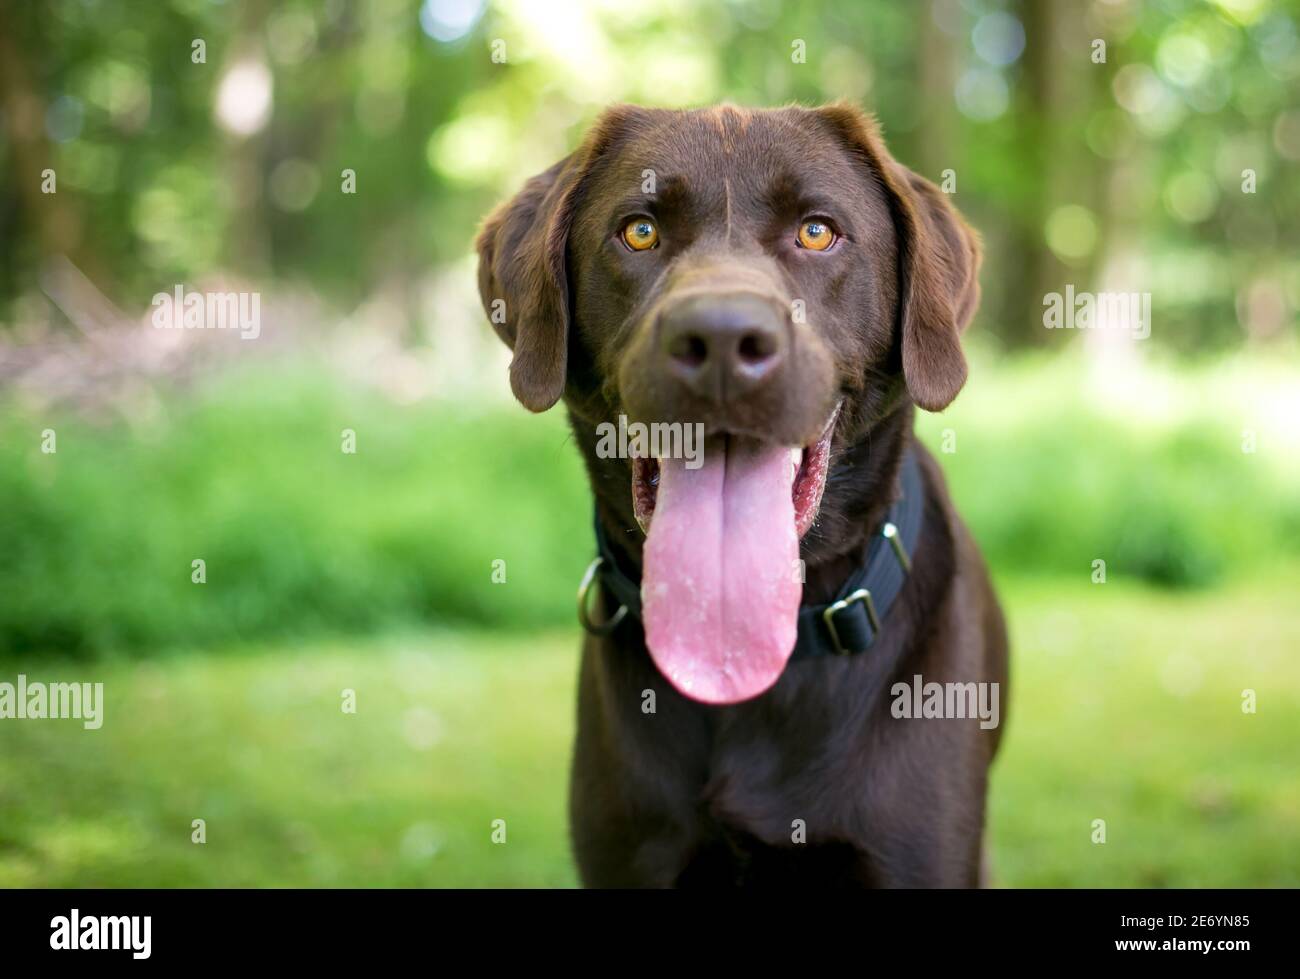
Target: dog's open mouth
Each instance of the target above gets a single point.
(808, 464)
(721, 581)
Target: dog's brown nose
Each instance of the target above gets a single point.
(722, 346)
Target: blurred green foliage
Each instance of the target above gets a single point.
(1157, 470)
(1166, 166)
(1123, 166)
(299, 537)
(249, 475)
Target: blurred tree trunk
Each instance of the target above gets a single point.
(1057, 95)
(54, 219)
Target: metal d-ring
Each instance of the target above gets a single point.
(584, 589)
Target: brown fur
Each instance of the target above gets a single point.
(693, 794)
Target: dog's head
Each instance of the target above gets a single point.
(761, 273)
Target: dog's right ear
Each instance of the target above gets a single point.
(523, 271)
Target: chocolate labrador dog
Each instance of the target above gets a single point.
(789, 632)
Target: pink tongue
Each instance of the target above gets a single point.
(720, 588)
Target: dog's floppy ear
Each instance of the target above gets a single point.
(523, 270)
(939, 259)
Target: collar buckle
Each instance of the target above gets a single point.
(828, 616)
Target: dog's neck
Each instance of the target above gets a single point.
(861, 485)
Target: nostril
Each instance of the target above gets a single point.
(755, 348)
(721, 346)
(689, 349)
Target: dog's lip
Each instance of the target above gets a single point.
(810, 480)
(811, 462)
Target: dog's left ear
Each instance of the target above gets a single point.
(939, 259)
(523, 268)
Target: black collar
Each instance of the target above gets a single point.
(848, 625)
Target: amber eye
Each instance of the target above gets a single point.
(640, 234)
(816, 235)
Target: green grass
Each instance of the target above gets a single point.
(450, 733)
(1125, 706)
